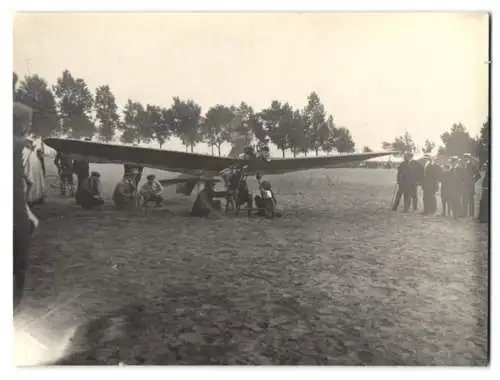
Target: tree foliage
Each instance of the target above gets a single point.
(276, 119)
(135, 127)
(35, 93)
(428, 146)
(74, 101)
(314, 118)
(330, 143)
(106, 113)
(483, 143)
(457, 141)
(296, 134)
(401, 144)
(343, 140)
(186, 125)
(217, 126)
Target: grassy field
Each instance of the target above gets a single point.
(338, 280)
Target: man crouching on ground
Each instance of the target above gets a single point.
(151, 191)
(124, 195)
(90, 194)
(205, 204)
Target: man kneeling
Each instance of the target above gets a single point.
(205, 203)
(151, 191)
(124, 195)
(90, 194)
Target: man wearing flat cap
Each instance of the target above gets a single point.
(90, 194)
(151, 191)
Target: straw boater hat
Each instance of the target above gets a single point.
(151, 176)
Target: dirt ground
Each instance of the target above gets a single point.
(338, 280)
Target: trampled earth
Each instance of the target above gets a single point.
(339, 279)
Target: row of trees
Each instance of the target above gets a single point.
(455, 142)
(70, 109)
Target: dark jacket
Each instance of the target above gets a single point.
(81, 169)
(432, 174)
(410, 174)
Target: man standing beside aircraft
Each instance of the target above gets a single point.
(65, 168)
(407, 183)
(456, 187)
(471, 176)
(82, 170)
(445, 190)
(430, 185)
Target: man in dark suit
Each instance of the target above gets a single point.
(408, 177)
(430, 185)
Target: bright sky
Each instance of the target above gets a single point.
(378, 74)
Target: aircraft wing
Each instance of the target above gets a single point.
(287, 165)
(181, 162)
(185, 179)
(173, 161)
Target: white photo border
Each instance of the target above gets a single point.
(7, 9)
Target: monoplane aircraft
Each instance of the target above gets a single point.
(197, 168)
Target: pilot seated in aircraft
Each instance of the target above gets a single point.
(125, 192)
(204, 204)
(151, 191)
(90, 194)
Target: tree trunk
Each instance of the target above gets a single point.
(283, 152)
(187, 148)
(192, 148)
(218, 148)
(161, 145)
(212, 145)
(317, 151)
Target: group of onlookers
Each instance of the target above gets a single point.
(456, 182)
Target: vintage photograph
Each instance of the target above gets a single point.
(251, 188)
